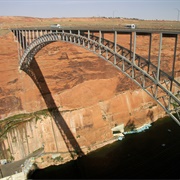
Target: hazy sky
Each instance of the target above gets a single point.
(142, 9)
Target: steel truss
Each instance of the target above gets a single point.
(162, 87)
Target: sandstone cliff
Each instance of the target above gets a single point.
(81, 98)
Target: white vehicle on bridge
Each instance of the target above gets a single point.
(132, 26)
(55, 26)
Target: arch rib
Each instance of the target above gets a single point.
(122, 63)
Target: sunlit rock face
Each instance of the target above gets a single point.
(90, 95)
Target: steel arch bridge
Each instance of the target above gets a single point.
(162, 87)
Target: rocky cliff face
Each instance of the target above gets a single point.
(85, 95)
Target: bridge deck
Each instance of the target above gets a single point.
(122, 30)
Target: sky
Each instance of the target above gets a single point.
(141, 9)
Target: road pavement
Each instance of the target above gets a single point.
(15, 167)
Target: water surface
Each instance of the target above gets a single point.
(153, 154)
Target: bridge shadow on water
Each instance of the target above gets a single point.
(152, 154)
(36, 75)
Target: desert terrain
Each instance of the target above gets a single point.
(90, 95)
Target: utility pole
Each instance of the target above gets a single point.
(178, 14)
(113, 17)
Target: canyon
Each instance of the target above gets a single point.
(82, 98)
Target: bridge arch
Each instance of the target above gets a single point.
(131, 67)
(90, 44)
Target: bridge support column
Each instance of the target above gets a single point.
(100, 39)
(70, 36)
(134, 48)
(134, 54)
(174, 58)
(130, 56)
(158, 66)
(159, 58)
(149, 53)
(16, 39)
(173, 69)
(78, 38)
(115, 45)
(88, 39)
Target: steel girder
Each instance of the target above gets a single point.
(149, 77)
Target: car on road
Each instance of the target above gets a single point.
(55, 26)
(132, 26)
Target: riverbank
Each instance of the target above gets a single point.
(152, 154)
(59, 158)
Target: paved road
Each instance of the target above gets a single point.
(96, 29)
(11, 168)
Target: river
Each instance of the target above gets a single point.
(152, 154)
